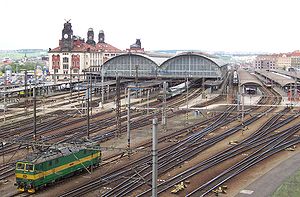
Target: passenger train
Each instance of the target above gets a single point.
(235, 78)
(174, 91)
(251, 89)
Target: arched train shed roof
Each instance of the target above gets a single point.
(126, 65)
(183, 65)
(193, 65)
(247, 79)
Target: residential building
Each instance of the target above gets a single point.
(283, 61)
(295, 59)
(266, 62)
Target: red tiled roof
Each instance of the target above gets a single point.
(295, 53)
(57, 49)
(78, 47)
(107, 48)
(83, 47)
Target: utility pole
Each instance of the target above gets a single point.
(91, 90)
(70, 82)
(136, 74)
(102, 87)
(136, 79)
(107, 92)
(88, 111)
(4, 104)
(187, 99)
(148, 95)
(118, 106)
(128, 120)
(238, 98)
(78, 79)
(155, 157)
(34, 113)
(243, 92)
(35, 82)
(26, 91)
(164, 113)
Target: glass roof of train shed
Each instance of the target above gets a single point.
(187, 64)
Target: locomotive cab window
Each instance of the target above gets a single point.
(20, 166)
(29, 167)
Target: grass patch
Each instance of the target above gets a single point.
(290, 187)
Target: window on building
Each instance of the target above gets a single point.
(53, 63)
(57, 77)
(65, 72)
(65, 60)
(55, 70)
(66, 66)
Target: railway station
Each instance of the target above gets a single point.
(138, 123)
(107, 118)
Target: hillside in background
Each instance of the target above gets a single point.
(19, 54)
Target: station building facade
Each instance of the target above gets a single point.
(74, 55)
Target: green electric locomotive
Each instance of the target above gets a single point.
(43, 168)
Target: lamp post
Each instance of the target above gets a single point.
(102, 86)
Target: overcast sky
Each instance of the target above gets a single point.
(209, 25)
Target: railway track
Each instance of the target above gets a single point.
(127, 186)
(125, 171)
(57, 123)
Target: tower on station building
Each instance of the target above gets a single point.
(136, 47)
(90, 37)
(66, 40)
(101, 37)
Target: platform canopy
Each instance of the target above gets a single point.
(248, 79)
(282, 80)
